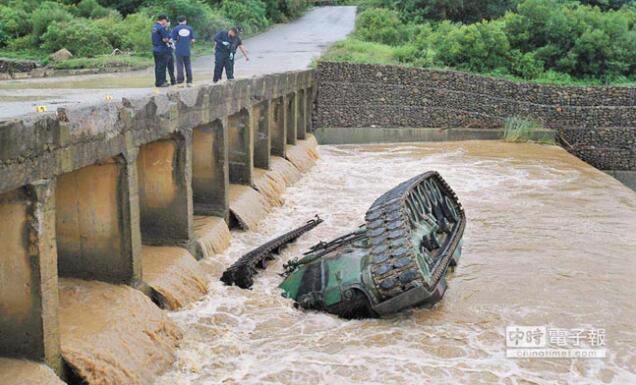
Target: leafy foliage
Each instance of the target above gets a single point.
(35, 28)
(381, 26)
(84, 38)
(250, 14)
(537, 39)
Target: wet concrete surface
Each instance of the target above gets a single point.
(284, 47)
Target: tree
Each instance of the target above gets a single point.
(124, 7)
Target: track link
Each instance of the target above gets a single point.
(242, 272)
(391, 221)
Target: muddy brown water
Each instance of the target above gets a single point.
(550, 241)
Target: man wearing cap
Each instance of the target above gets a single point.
(227, 42)
(160, 49)
(183, 37)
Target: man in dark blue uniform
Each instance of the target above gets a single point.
(160, 49)
(170, 63)
(183, 36)
(227, 42)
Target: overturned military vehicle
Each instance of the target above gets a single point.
(398, 259)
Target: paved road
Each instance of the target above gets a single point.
(284, 47)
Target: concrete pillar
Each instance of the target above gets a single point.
(309, 109)
(261, 118)
(241, 146)
(291, 113)
(165, 191)
(210, 172)
(28, 275)
(278, 128)
(97, 222)
(301, 115)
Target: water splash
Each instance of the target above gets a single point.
(213, 235)
(174, 275)
(248, 206)
(271, 184)
(288, 172)
(114, 334)
(303, 155)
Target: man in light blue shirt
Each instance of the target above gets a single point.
(183, 37)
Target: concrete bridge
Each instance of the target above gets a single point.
(81, 190)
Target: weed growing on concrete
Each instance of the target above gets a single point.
(519, 130)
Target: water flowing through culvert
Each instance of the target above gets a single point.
(550, 241)
(113, 334)
(14, 371)
(174, 276)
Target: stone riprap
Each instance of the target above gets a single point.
(597, 124)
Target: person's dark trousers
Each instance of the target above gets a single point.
(170, 67)
(161, 61)
(223, 62)
(184, 61)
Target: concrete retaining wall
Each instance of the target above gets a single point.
(597, 124)
(82, 189)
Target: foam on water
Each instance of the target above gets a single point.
(549, 241)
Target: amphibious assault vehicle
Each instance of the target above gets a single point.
(398, 259)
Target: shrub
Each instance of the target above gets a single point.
(407, 54)
(45, 15)
(114, 29)
(91, 9)
(381, 26)
(465, 11)
(525, 65)
(134, 32)
(3, 35)
(21, 43)
(81, 37)
(250, 14)
(125, 7)
(478, 47)
(15, 20)
(205, 21)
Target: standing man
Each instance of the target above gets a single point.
(160, 49)
(183, 36)
(170, 63)
(227, 42)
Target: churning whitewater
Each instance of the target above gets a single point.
(550, 241)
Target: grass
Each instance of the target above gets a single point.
(521, 130)
(106, 61)
(25, 54)
(357, 51)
